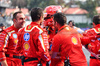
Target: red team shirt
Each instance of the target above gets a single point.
(93, 44)
(68, 44)
(8, 42)
(33, 42)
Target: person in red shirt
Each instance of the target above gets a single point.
(2, 27)
(33, 40)
(91, 40)
(49, 11)
(66, 43)
(8, 41)
(72, 25)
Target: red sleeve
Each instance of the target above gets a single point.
(55, 45)
(42, 42)
(3, 44)
(85, 40)
(87, 36)
(55, 56)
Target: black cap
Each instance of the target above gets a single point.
(1, 24)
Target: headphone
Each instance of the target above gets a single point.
(72, 22)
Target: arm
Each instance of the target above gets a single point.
(55, 51)
(87, 39)
(3, 44)
(43, 51)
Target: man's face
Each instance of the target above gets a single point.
(19, 21)
(2, 28)
(70, 24)
(55, 25)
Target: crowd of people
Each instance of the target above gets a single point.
(5, 1)
(48, 40)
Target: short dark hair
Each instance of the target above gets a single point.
(36, 13)
(15, 14)
(1, 24)
(96, 19)
(72, 22)
(60, 18)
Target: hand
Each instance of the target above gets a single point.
(98, 56)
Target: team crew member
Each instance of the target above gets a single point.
(72, 25)
(91, 39)
(8, 42)
(66, 43)
(32, 40)
(49, 11)
(2, 27)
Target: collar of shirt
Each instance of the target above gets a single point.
(14, 28)
(62, 27)
(35, 23)
(98, 25)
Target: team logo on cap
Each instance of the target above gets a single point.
(15, 35)
(26, 36)
(26, 46)
(74, 40)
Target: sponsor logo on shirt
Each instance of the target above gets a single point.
(26, 46)
(29, 27)
(26, 36)
(15, 41)
(74, 40)
(14, 35)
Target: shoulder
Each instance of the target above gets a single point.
(90, 30)
(36, 28)
(9, 29)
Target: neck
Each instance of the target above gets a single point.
(16, 26)
(38, 22)
(59, 26)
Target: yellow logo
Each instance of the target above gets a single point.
(98, 29)
(74, 40)
(29, 27)
(26, 46)
(15, 41)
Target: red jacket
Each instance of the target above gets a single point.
(32, 42)
(67, 43)
(8, 42)
(93, 43)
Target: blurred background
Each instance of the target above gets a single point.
(80, 11)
